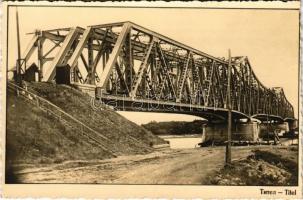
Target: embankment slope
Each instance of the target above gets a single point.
(35, 137)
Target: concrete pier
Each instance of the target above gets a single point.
(252, 131)
(248, 131)
(270, 128)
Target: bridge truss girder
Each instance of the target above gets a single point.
(127, 59)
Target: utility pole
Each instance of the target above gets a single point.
(228, 145)
(18, 64)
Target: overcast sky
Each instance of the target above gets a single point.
(270, 38)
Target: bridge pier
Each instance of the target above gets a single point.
(272, 126)
(267, 130)
(292, 124)
(251, 132)
(216, 133)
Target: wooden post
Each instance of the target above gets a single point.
(18, 66)
(228, 145)
(91, 75)
(40, 57)
(267, 120)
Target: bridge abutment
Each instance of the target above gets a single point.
(91, 90)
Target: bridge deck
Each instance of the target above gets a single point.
(143, 105)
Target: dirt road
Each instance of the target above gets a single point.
(184, 166)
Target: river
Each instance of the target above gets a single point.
(182, 141)
(191, 141)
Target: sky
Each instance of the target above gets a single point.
(270, 38)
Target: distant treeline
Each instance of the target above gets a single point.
(175, 127)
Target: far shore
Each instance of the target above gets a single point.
(181, 136)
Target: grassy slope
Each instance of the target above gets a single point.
(33, 136)
(39, 137)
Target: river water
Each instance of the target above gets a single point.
(183, 141)
(191, 141)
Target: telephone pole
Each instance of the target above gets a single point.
(228, 145)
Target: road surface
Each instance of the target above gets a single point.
(173, 166)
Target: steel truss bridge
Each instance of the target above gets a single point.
(131, 64)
